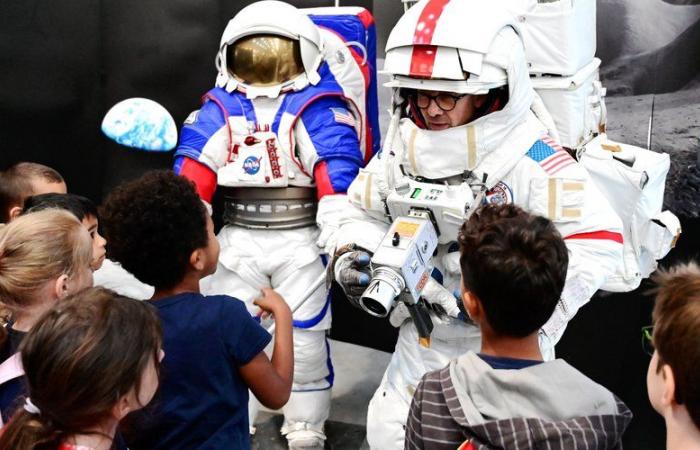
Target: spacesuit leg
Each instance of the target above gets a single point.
(244, 283)
(309, 404)
(387, 414)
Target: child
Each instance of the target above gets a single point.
(23, 180)
(44, 257)
(89, 361)
(107, 273)
(513, 271)
(673, 378)
(82, 208)
(160, 231)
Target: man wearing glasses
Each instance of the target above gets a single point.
(465, 114)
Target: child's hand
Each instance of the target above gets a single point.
(272, 303)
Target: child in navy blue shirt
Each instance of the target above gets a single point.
(160, 231)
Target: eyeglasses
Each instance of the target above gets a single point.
(647, 342)
(443, 100)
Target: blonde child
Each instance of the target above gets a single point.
(44, 257)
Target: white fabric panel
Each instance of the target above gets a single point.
(576, 103)
(559, 36)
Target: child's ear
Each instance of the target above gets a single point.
(61, 287)
(669, 395)
(15, 211)
(471, 305)
(122, 408)
(197, 259)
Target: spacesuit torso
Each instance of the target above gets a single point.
(505, 156)
(275, 159)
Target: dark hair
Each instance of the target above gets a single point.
(153, 224)
(677, 332)
(515, 263)
(15, 184)
(77, 205)
(79, 359)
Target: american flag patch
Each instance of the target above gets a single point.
(342, 115)
(550, 155)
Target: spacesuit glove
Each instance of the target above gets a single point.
(331, 211)
(436, 294)
(433, 293)
(350, 269)
(327, 239)
(399, 314)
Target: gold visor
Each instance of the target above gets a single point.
(265, 60)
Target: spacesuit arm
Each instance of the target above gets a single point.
(203, 148)
(364, 221)
(594, 241)
(327, 141)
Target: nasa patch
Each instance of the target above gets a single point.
(251, 165)
(500, 194)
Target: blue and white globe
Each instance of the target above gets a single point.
(141, 123)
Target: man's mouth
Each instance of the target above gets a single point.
(438, 126)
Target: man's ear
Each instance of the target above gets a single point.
(61, 287)
(197, 259)
(15, 211)
(479, 100)
(669, 395)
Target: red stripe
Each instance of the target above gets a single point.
(602, 235)
(202, 176)
(366, 18)
(425, 28)
(562, 166)
(554, 160)
(323, 181)
(423, 61)
(423, 56)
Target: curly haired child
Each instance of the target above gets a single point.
(160, 231)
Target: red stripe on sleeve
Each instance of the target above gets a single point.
(602, 235)
(202, 176)
(323, 181)
(366, 18)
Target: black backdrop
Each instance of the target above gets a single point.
(64, 63)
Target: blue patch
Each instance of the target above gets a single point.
(540, 151)
(251, 165)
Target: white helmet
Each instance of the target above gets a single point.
(455, 46)
(279, 46)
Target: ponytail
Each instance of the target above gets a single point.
(27, 431)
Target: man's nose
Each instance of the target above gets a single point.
(433, 108)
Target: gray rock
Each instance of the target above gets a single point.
(676, 131)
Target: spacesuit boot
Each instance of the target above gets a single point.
(304, 418)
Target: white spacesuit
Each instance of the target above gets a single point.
(503, 152)
(280, 138)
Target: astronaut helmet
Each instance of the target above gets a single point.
(454, 46)
(269, 47)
